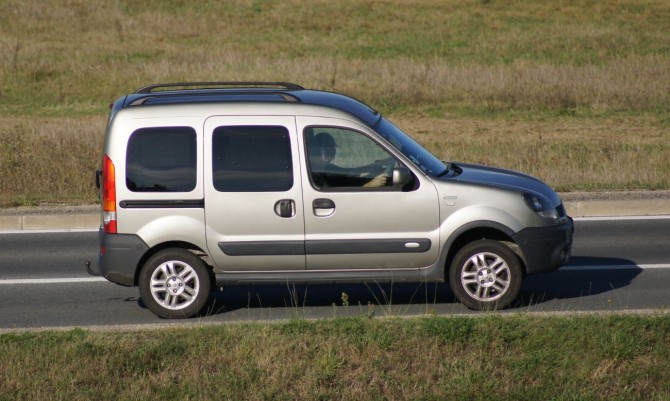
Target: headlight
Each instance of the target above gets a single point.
(540, 205)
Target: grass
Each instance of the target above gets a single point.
(427, 358)
(53, 160)
(49, 161)
(605, 58)
(574, 92)
(580, 84)
(588, 155)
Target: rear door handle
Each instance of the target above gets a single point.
(323, 207)
(285, 208)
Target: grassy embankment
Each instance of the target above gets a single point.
(429, 358)
(576, 93)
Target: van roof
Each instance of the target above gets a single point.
(244, 92)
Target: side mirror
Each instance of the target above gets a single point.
(401, 176)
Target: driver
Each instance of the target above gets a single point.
(322, 149)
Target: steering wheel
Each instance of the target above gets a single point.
(380, 167)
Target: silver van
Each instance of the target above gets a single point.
(211, 184)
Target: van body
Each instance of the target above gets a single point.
(215, 184)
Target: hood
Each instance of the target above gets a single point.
(492, 176)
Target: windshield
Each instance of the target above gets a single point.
(422, 158)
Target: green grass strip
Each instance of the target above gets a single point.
(518, 357)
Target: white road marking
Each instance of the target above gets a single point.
(619, 218)
(65, 280)
(616, 267)
(74, 280)
(96, 229)
(51, 231)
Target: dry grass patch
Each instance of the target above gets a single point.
(580, 85)
(73, 57)
(630, 153)
(49, 160)
(53, 160)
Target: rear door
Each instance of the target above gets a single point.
(355, 216)
(253, 193)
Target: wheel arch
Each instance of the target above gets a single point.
(169, 245)
(478, 230)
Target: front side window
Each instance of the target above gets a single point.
(343, 158)
(162, 159)
(252, 159)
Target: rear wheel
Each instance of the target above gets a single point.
(486, 275)
(174, 283)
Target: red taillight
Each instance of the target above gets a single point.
(108, 196)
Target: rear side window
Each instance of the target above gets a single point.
(252, 159)
(161, 160)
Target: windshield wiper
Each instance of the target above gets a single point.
(447, 169)
(450, 168)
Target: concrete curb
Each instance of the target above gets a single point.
(49, 222)
(605, 208)
(85, 218)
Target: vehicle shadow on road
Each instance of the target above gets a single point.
(348, 298)
(584, 276)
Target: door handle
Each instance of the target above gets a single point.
(285, 208)
(323, 207)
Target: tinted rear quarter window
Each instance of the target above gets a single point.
(162, 160)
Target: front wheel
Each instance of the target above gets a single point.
(174, 283)
(486, 275)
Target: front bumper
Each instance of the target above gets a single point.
(544, 249)
(119, 257)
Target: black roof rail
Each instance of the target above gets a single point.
(217, 85)
(205, 97)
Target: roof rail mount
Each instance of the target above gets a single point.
(216, 85)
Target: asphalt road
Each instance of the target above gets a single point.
(617, 264)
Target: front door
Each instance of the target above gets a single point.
(356, 217)
(253, 192)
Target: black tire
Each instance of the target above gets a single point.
(175, 284)
(486, 275)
